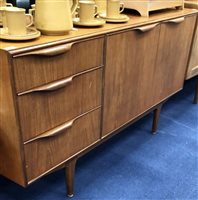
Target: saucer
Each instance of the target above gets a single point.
(95, 22)
(121, 18)
(31, 34)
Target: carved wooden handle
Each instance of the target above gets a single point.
(50, 86)
(52, 51)
(176, 21)
(146, 28)
(59, 129)
(53, 132)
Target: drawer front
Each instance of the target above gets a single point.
(41, 111)
(40, 67)
(43, 154)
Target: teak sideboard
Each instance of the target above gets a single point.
(61, 96)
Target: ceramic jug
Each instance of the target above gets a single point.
(54, 17)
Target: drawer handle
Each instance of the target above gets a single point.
(53, 51)
(59, 129)
(176, 21)
(146, 28)
(51, 86)
(53, 132)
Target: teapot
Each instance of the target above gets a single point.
(54, 17)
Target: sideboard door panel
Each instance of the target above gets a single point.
(174, 46)
(129, 70)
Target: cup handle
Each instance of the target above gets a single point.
(96, 10)
(122, 7)
(31, 20)
(31, 11)
(9, 4)
(76, 12)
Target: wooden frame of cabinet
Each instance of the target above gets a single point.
(192, 69)
(114, 92)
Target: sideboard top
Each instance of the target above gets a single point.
(80, 33)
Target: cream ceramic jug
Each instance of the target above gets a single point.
(54, 17)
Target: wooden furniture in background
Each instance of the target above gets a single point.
(62, 96)
(192, 69)
(146, 6)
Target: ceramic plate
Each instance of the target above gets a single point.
(120, 17)
(95, 22)
(31, 34)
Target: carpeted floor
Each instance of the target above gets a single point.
(134, 165)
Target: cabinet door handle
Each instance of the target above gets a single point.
(52, 51)
(50, 86)
(176, 21)
(146, 28)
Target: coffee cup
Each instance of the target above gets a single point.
(101, 4)
(3, 4)
(87, 11)
(114, 8)
(15, 20)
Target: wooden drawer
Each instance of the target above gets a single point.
(42, 110)
(36, 68)
(45, 153)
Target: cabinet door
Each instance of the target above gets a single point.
(129, 70)
(174, 46)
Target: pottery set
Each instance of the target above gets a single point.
(113, 11)
(96, 13)
(52, 17)
(16, 24)
(86, 14)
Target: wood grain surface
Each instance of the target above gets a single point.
(11, 151)
(129, 72)
(173, 51)
(34, 70)
(42, 111)
(41, 155)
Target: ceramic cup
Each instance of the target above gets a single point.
(15, 20)
(3, 4)
(114, 8)
(101, 4)
(88, 11)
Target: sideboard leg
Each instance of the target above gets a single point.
(156, 115)
(196, 94)
(69, 174)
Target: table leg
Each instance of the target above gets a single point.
(69, 174)
(156, 115)
(196, 94)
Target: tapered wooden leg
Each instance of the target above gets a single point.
(196, 94)
(156, 115)
(69, 174)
